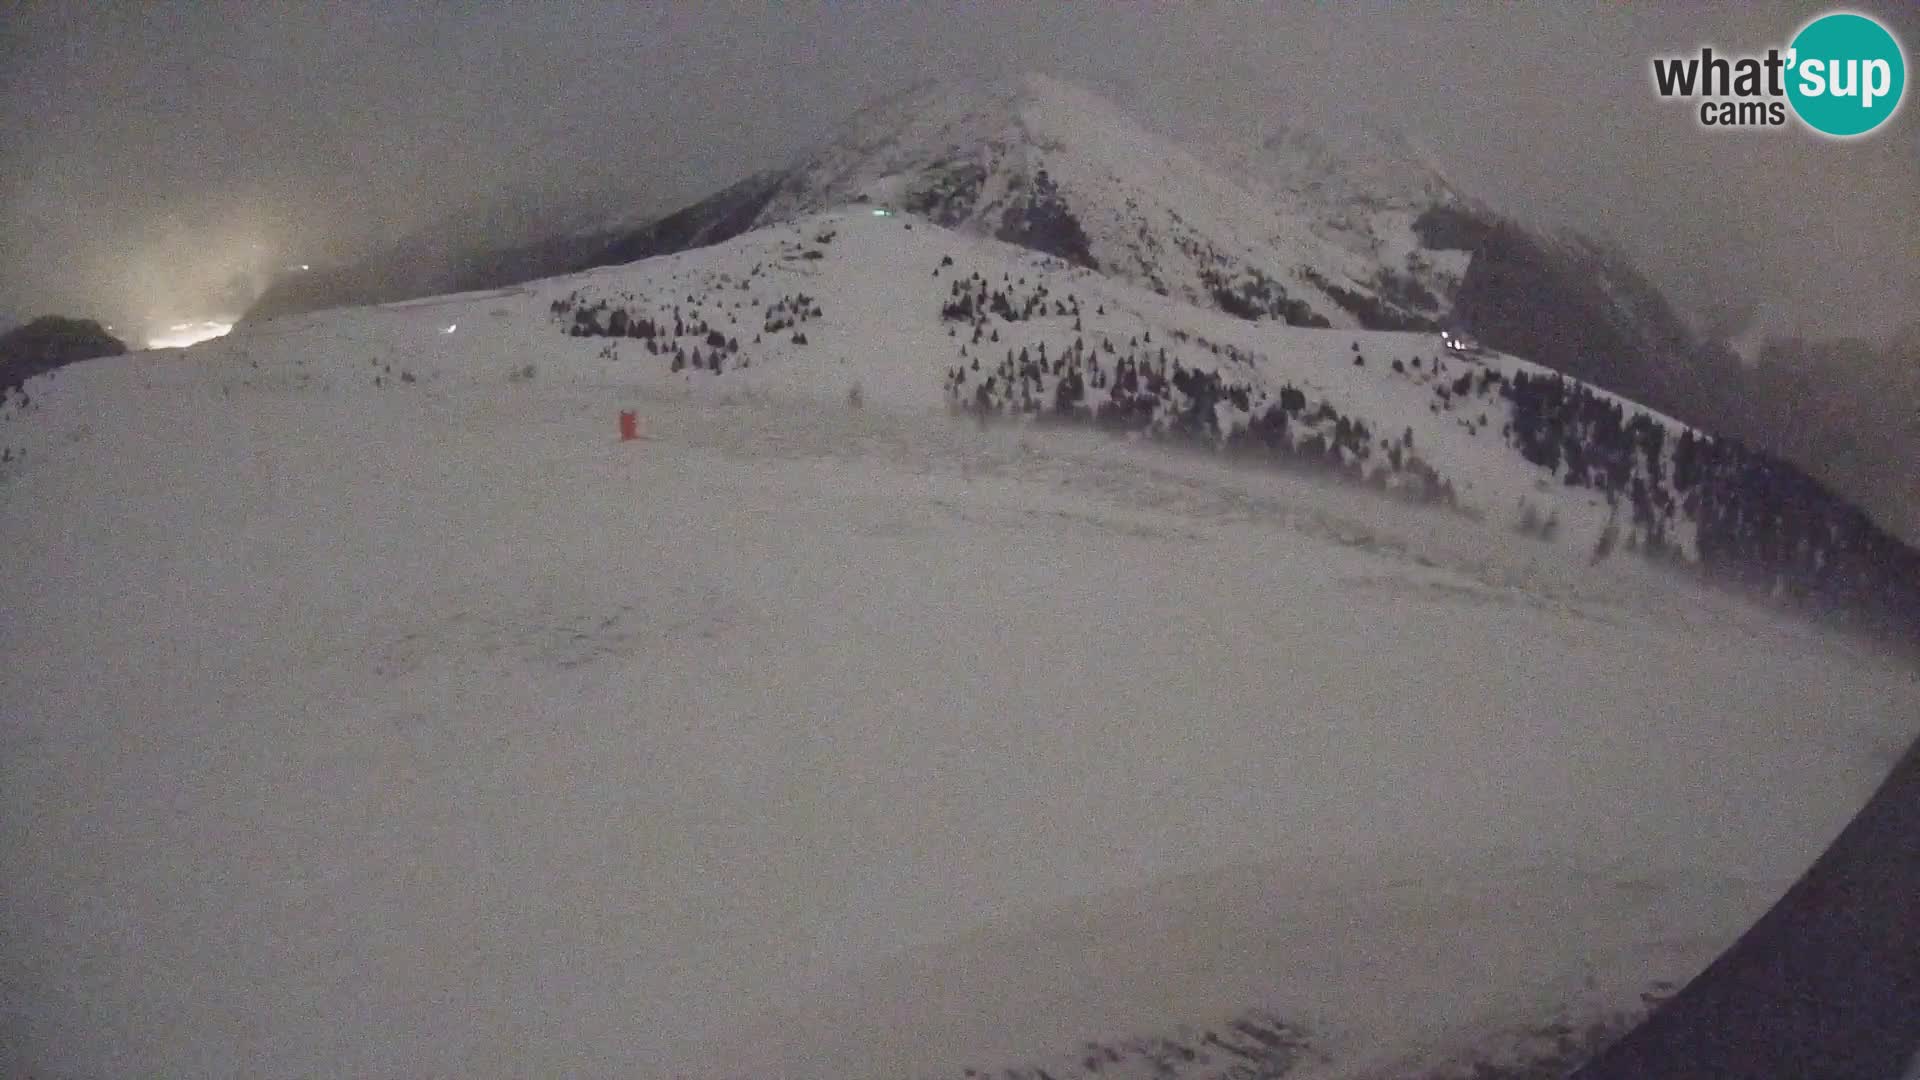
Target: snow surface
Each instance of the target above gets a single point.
(426, 729)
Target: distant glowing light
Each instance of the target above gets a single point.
(877, 212)
(304, 266)
(451, 327)
(182, 334)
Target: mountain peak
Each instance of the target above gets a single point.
(1042, 161)
(1299, 232)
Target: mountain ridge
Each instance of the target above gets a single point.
(1032, 159)
(921, 316)
(1359, 229)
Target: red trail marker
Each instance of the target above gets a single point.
(629, 425)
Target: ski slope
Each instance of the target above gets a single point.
(423, 728)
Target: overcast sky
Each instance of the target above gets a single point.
(148, 152)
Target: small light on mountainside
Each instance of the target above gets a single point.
(451, 327)
(877, 212)
(182, 334)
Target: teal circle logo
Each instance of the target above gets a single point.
(1846, 74)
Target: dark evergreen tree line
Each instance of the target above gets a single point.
(1761, 521)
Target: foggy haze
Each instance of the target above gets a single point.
(156, 157)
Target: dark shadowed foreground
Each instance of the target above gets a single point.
(1827, 984)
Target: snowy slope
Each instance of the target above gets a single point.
(883, 288)
(881, 285)
(374, 712)
(1491, 435)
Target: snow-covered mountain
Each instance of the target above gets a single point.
(924, 315)
(1011, 331)
(928, 317)
(1048, 165)
(449, 734)
(1042, 163)
(1358, 228)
